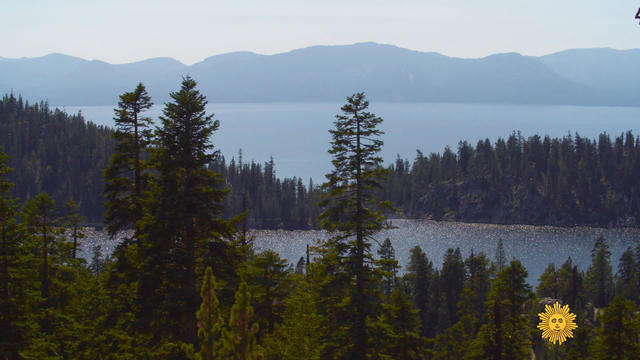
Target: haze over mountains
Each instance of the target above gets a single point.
(329, 73)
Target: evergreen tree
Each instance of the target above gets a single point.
(268, 278)
(40, 215)
(352, 211)
(501, 259)
(299, 335)
(472, 307)
(11, 257)
(126, 181)
(618, 337)
(239, 341)
(548, 285)
(505, 336)
(74, 224)
(396, 331)
(571, 285)
(183, 229)
(388, 265)
(628, 277)
(599, 281)
(452, 277)
(419, 279)
(210, 322)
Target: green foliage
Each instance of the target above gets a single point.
(54, 152)
(268, 280)
(618, 337)
(299, 335)
(559, 181)
(239, 340)
(396, 330)
(388, 266)
(73, 222)
(353, 214)
(505, 334)
(182, 229)
(270, 202)
(210, 322)
(126, 178)
(453, 275)
(548, 285)
(599, 279)
(13, 271)
(419, 280)
(628, 276)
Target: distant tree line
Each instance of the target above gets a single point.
(571, 180)
(270, 202)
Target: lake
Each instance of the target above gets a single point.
(296, 134)
(534, 246)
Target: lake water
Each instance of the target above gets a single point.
(534, 246)
(296, 134)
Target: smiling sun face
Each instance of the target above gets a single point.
(557, 323)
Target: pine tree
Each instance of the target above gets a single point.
(299, 335)
(548, 285)
(618, 337)
(501, 259)
(352, 211)
(571, 285)
(267, 276)
(40, 215)
(11, 336)
(73, 223)
(210, 322)
(397, 329)
(419, 279)
(388, 265)
(126, 179)
(505, 336)
(599, 280)
(452, 277)
(239, 341)
(183, 228)
(628, 270)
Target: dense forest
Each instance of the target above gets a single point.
(187, 284)
(51, 151)
(557, 181)
(554, 181)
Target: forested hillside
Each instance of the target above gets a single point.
(188, 284)
(65, 155)
(55, 152)
(557, 181)
(270, 202)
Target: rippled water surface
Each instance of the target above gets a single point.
(535, 246)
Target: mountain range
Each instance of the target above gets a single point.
(330, 73)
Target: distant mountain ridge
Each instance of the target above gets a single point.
(329, 73)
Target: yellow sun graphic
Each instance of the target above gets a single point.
(557, 323)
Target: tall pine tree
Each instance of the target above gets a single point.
(353, 214)
(126, 181)
(184, 230)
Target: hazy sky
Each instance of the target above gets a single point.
(119, 31)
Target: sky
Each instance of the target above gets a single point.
(122, 31)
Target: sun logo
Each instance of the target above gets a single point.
(557, 323)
